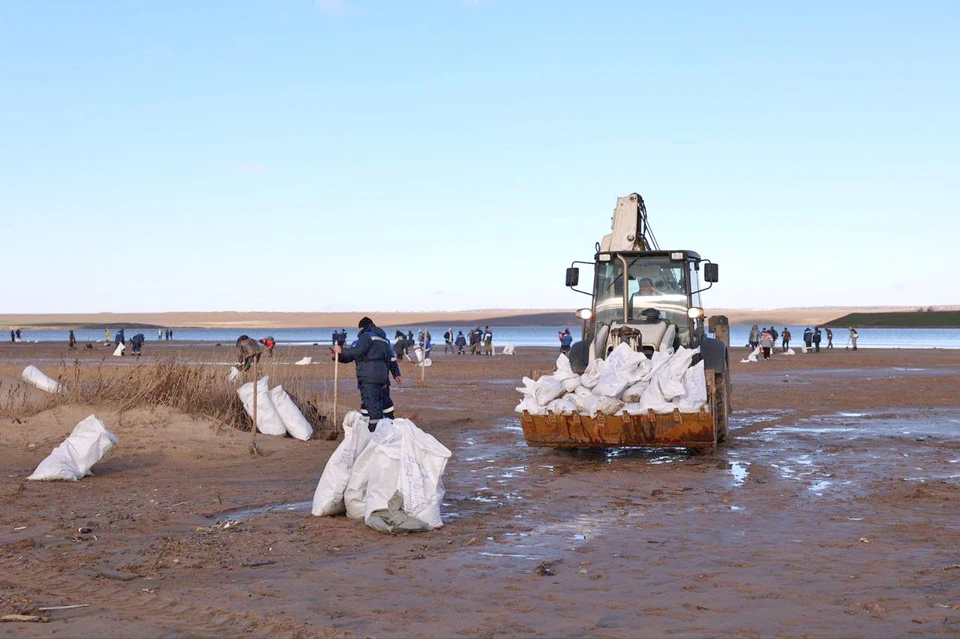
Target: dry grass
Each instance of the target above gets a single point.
(193, 389)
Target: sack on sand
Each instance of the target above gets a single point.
(73, 459)
(268, 420)
(303, 362)
(400, 459)
(293, 420)
(509, 349)
(328, 499)
(33, 375)
(118, 351)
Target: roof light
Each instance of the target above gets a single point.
(676, 256)
(584, 313)
(695, 312)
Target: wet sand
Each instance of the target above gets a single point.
(831, 512)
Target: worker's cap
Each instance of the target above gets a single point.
(366, 322)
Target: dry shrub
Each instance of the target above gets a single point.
(194, 389)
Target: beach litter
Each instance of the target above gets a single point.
(234, 374)
(391, 478)
(306, 361)
(118, 351)
(509, 349)
(33, 375)
(75, 456)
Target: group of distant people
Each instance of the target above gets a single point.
(164, 334)
(14, 335)
(766, 339)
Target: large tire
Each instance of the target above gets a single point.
(721, 406)
(579, 354)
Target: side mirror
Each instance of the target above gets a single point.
(711, 272)
(573, 276)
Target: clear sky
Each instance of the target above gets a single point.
(320, 155)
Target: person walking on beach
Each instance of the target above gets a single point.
(853, 337)
(460, 343)
(249, 352)
(829, 338)
(18, 336)
(785, 336)
(807, 338)
(816, 338)
(371, 353)
(754, 339)
(159, 334)
(120, 338)
(13, 336)
(448, 341)
(73, 341)
(766, 343)
(488, 341)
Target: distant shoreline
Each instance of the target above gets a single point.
(786, 317)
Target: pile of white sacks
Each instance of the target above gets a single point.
(391, 478)
(626, 382)
(277, 414)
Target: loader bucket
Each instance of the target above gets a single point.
(689, 430)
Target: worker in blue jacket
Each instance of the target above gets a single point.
(375, 361)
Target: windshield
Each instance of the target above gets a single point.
(650, 283)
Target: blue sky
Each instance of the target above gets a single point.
(344, 155)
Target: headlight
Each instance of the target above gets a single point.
(584, 313)
(695, 312)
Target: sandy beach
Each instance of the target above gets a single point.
(830, 512)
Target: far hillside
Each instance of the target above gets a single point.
(910, 319)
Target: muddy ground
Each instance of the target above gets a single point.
(831, 512)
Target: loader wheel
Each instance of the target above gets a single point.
(721, 406)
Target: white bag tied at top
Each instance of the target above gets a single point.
(33, 375)
(73, 459)
(400, 459)
(293, 420)
(268, 420)
(328, 498)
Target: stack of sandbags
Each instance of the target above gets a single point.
(73, 459)
(625, 382)
(391, 478)
(276, 412)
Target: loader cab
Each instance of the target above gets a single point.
(650, 300)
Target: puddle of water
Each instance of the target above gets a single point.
(242, 514)
(739, 472)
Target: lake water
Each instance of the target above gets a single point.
(518, 335)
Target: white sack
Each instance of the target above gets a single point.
(611, 382)
(509, 349)
(306, 361)
(547, 389)
(74, 458)
(293, 420)
(592, 374)
(426, 362)
(562, 406)
(398, 458)
(234, 374)
(790, 351)
(118, 351)
(268, 420)
(695, 389)
(529, 404)
(571, 384)
(608, 405)
(632, 393)
(328, 498)
(564, 371)
(752, 357)
(529, 386)
(33, 375)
